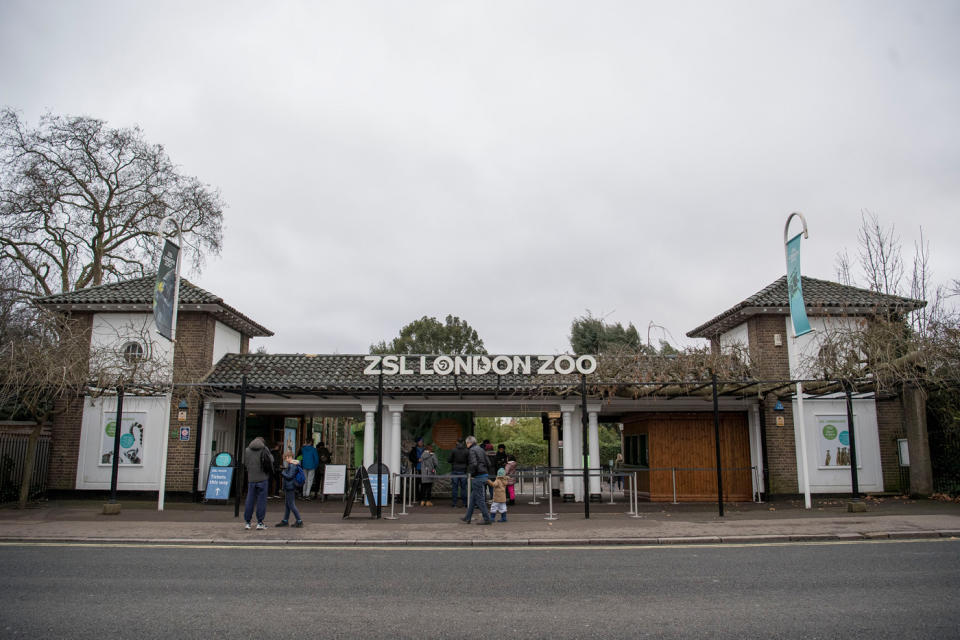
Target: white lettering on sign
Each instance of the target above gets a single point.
(478, 365)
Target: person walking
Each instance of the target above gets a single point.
(499, 504)
(309, 460)
(477, 468)
(458, 469)
(259, 464)
(428, 472)
(290, 492)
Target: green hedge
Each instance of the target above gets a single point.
(535, 453)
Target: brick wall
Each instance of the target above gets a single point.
(193, 359)
(890, 426)
(773, 363)
(65, 430)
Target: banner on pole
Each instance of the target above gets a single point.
(165, 289)
(798, 310)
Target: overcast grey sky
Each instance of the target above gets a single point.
(517, 163)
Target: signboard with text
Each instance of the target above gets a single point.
(219, 480)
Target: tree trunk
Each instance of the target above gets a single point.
(28, 465)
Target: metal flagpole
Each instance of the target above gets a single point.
(173, 340)
(799, 421)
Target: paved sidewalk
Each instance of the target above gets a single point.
(188, 523)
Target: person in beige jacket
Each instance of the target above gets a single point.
(499, 503)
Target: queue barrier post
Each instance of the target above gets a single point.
(403, 490)
(535, 501)
(611, 485)
(636, 498)
(393, 501)
(550, 514)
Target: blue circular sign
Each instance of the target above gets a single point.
(845, 438)
(223, 459)
(126, 440)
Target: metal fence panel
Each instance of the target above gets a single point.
(13, 454)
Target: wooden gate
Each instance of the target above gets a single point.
(682, 446)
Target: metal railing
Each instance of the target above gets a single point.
(13, 454)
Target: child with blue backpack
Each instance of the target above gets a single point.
(293, 479)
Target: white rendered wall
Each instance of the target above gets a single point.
(837, 480)
(111, 331)
(145, 477)
(225, 340)
(736, 336)
(801, 351)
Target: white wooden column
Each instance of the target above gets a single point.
(568, 446)
(594, 436)
(577, 433)
(206, 445)
(369, 427)
(396, 414)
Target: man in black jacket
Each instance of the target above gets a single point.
(477, 468)
(459, 459)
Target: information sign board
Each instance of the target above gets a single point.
(335, 479)
(219, 480)
(379, 490)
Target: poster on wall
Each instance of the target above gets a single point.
(290, 436)
(131, 438)
(833, 439)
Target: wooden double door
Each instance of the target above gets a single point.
(682, 455)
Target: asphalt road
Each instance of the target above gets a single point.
(860, 590)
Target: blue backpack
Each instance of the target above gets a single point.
(301, 477)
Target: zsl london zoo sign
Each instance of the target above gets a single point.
(478, 365)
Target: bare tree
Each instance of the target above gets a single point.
(880, 255)
(47, 362)
(79, 202)
(844, 269)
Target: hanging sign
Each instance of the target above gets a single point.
(798, 310)
(478, 365)
(164, 289)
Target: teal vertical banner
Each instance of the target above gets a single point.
(798, 310)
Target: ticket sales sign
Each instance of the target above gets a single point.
(478, 365)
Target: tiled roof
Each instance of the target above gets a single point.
(298, 373)
(822, 297)
(139, 291)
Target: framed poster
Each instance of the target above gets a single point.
(131, 438)
(833, 442)
(289, 438)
